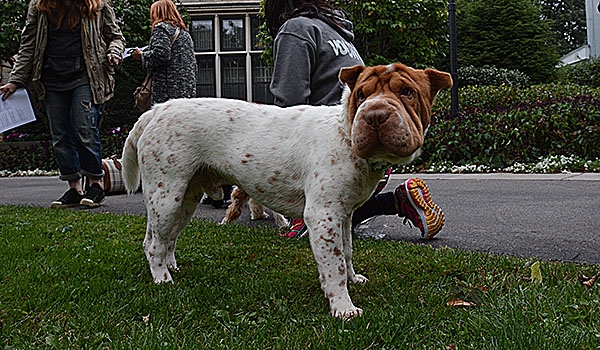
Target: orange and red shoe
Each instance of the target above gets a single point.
(298, 229)
(414, 203)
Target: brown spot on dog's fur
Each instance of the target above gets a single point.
(171, 159)
(342, 270)
(337, 251)
(326, 240)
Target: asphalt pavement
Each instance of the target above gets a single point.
(538, 216)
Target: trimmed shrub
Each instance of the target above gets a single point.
(501, 126)
(496, 128)
(491, 76)
(582, 73)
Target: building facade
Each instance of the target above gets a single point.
(592, 48)
(228, 51)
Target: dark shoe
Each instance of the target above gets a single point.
(71, 198)
(206, 200)
(298, 229)
(414, 203)
(93, 197)
(218, 204)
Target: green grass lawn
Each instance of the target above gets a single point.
(76, 279)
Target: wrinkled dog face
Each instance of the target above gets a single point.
(389, 109)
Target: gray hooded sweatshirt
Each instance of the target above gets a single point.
(309, 53)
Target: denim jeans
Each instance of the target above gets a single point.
(73, 118)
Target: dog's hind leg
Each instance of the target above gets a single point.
(239, 199)
(147, 239)
(257, 211)
(188, 207)
(280, 220)
(165, 211)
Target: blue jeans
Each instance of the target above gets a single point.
(73, 120)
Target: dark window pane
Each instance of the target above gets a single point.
(232, 34)
(255, 24)
(233, 76)
(205, 80)
(203, 35)
(261, 78)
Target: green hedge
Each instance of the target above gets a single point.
(500, 126)
(496, 127)
(491, 76)
(582, 73)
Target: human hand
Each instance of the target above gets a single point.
(137, 54)
(7, 90)
(114, 60)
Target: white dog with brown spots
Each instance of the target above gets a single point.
(322, 172)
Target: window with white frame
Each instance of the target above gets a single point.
(228, 56)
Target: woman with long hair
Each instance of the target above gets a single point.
(169, 56)
(66, 59)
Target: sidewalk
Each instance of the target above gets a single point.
(538, 216)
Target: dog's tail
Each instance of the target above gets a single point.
(129, 161)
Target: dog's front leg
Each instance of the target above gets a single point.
(347, 239)
(326, 239)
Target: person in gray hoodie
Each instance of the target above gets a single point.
(312, 42)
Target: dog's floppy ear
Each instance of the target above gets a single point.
(438, 80)
(349, 75)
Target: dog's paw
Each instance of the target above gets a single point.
(360, 279)
(347, 313)
(280, 221)
(162, 278)
(257, 216)
(172, 266)
(224, 221)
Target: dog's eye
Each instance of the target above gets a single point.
(361, 97)
(408, 93)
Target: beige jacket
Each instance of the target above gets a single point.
(100, 36)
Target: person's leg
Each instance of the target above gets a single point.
(412, 201)
(58, 106)
(84, 121)
(380, 204)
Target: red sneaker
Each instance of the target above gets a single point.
(298, 229)
(381, 184)
(414, 203)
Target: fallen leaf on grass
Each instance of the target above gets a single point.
(536, 272)
(588, 281)
(459, 302)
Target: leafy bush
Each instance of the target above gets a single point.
(23, 155)
(583, 73)
(501, 126)
(27, 156)
(491, 76)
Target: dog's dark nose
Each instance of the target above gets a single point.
(376, 117)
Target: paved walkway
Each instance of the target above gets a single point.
(539, 216)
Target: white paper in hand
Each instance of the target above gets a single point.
(16, 110)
